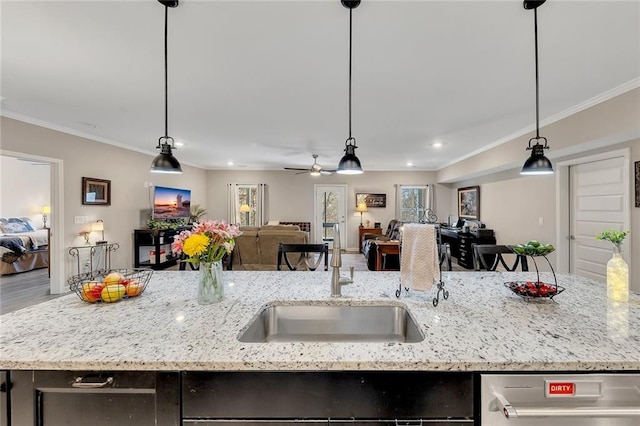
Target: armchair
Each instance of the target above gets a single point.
(369, 248)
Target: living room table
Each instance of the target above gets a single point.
(385, 248)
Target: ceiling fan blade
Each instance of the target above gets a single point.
(326, 172)
(295, 168)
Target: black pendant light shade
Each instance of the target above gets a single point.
(165, 162)
(350, 164)
(537, 164)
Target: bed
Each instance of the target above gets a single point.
(23, 247)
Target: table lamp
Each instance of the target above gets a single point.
(244, 208)
(45, 211)
(362, 207)
(99, 226)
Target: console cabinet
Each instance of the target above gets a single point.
(152, 248)
(461, 244)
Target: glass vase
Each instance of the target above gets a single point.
(617, 277)
(211, 284)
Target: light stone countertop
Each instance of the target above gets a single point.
(481, 327)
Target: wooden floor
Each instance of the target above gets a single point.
(18, 291)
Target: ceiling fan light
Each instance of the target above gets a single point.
(537, 163)
(165, 162)
(315, 173)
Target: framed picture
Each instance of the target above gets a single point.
(637, 163)
(96, 192)
(371, 200)
(469, 203)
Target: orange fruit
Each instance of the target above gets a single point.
(134, 288)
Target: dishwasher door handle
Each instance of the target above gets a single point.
(500, 403)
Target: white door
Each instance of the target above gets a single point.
(330, 208)
(598, 202)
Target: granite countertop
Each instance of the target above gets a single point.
(481, 327)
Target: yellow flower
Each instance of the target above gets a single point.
(196, 245)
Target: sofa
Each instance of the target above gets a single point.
(257, 248)
(369, 248)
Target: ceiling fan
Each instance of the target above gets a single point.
(315, 169)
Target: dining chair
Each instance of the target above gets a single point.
(304, 250)
(489, 256)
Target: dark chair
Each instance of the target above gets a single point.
(444, 250)
(182, 265)
(489, 256)
(303, 249)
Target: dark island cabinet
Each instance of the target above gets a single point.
(67, 398)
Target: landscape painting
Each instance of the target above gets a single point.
(171, 203)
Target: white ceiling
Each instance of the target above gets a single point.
(264, 83)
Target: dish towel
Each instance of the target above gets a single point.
(419, 267)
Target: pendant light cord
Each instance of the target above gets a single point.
(350, 48)
(166, 89)
(535, 32)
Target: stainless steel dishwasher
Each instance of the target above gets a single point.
(560, 399)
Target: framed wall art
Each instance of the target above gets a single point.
(371, 200)
(637, 163)
(96, 192)
(469, 203)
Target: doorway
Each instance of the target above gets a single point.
(56, 275)
(330, 207)
(597, 197)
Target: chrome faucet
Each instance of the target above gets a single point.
(336, 262)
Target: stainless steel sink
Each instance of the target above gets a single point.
(332, 323)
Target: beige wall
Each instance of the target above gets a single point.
(127, 171)
(290, 196)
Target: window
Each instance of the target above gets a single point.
(247, 195)
(246, 204)
(411, 203)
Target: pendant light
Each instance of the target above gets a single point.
(537, 164)
(165, 162)
(350, 164)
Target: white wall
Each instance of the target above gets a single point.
(24, 188)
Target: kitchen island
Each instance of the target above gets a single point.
(481, 327)
(163, 359)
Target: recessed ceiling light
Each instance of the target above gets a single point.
(409, 164)
(179, 143)
(436, 144)
(229, 163)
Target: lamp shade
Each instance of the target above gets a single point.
(97, 226)
(46, 209)
(165, 162)
(245, 208)
(537, 163)
(362, 207)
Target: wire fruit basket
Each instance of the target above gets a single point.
(110, 285)
(537, 289)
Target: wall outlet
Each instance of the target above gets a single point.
(80, 219)
(148, 184)
(541, 221)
